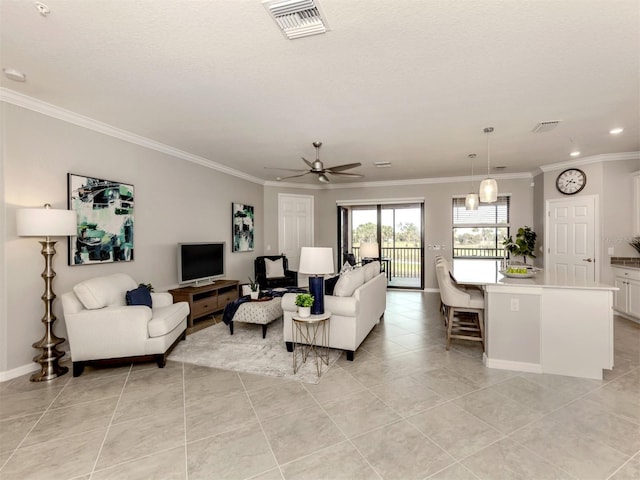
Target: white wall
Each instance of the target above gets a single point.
(175, 201)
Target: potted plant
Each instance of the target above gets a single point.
(524, 245)
(254, 286)
(304, 301)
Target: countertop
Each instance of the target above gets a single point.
(487, 273)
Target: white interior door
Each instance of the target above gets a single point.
(571, 238)
(295, 226)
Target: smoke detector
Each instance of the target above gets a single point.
(544, 127)
(297, 18)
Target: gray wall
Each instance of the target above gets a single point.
(176, 201)
(437, 221)
(611, 182)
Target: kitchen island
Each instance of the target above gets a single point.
(544, 324)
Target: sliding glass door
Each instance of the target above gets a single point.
(398, 232)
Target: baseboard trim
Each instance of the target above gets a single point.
(18, 372)
(511, 365)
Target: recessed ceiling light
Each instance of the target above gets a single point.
(575, 153)
(15, 75)
(616, 131)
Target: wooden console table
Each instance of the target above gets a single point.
(206, 299)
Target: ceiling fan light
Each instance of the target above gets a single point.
(323, 178)
(471, 201)
(488, 190)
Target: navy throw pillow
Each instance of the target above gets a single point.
(330, 284)
(139, 296)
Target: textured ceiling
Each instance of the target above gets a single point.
(406, 81)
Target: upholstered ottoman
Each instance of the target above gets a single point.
(261, 312)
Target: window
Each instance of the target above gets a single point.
(479, 233)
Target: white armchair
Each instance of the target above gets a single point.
(102, 327)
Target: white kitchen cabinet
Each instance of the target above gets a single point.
(636, 203)
(627, 299)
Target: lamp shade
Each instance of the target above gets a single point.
(488, 190)
(471, 201)
(46, 222)
(316, 260)
(369, 250)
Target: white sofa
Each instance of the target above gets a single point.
(102, 327)
(352, 316)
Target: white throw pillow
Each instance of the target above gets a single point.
(346, 267)
(348, 282)
(104, 291)
(371, 270)
(274, 268)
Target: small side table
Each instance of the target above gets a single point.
(310, 335)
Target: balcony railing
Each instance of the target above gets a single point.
(460, 252)
(403, 262)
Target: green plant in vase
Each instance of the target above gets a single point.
(525, 244)
(254, 285)
(304, 301)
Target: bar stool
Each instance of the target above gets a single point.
(463, 308)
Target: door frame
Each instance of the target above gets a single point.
(596, 229)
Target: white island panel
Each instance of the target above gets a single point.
(577, 332)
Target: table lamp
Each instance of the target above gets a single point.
(316, 262)
(369, 250)
(47, 222)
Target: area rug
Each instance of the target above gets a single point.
(246, 351)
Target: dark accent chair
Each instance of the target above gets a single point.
(350, 258)
(290, 278)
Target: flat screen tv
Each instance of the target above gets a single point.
(200, 262)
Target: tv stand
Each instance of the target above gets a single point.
(205, 300)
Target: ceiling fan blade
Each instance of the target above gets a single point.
(344, 174)
(286, 169)
(293, 176)
(307, 162)
(339, 168)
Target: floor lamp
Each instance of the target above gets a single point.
(316, 261)
(47, 222)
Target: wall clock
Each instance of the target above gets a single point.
(571, 181)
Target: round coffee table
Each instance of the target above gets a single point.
(310, 336)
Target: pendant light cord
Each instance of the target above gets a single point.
(488, 130)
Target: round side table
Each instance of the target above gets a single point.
(310, 336)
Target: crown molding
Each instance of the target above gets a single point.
(30, 103)
(605, 157)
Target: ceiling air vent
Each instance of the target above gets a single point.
(297, 18)
(544, 127)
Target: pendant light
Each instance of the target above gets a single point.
(488, 186)
(471, 201)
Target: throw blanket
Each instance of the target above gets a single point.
(231, 308)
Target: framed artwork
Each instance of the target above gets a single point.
(242, 216)
(105, 220)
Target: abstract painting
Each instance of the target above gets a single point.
(105, 220)
(242, 227)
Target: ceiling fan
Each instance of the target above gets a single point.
(317, 167)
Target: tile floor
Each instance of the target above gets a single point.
(404, 409)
